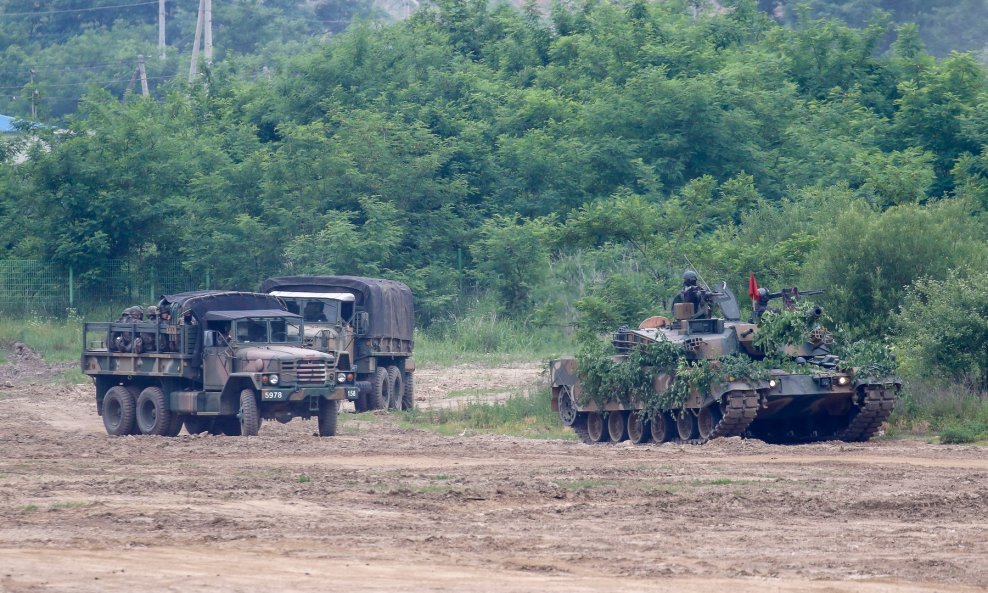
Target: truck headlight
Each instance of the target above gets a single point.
(274, 379)
(340, 378)
(842, 380)
(772, 383)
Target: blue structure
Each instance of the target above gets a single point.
(6, 124)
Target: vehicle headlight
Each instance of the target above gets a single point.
(842, 380)
(772, 383)
(274, 379)
(340, 378)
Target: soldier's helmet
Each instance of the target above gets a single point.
(134, 312)
(689, 278)
(762, 293)
(151, 312)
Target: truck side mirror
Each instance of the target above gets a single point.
(362, 321)
(209, 338)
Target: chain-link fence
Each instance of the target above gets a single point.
(39, 287)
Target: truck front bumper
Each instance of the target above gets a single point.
(292, 394)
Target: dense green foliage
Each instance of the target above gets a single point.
(559, 163)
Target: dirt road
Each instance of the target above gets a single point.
(384, 509)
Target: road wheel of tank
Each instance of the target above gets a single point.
(329, 411)
(616, 425)
(567, 406)
(686, 425)
(637, 432)
(706, 421)
(408, 395)
(380, 395)
(662, 427)
(198, 424)
(153, 416)
(118, 411)
(596, 427)
(175, 426)
(396, 382)
(249, 414)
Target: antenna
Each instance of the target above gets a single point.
(692, 267)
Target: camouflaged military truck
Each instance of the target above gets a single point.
(821, 399)
(214, 361)
(364, 322)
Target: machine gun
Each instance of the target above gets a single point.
(789, 297)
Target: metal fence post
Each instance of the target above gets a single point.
(71, 286)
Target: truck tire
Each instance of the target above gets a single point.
(380, 395)
(175, 426)
(397, 383)
(118, 411)
(135, 391)
(408, 396)
(329, 411)
(198, 424)
(249, 414)
(153, 416)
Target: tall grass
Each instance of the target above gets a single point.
(57, 340)
(955, 412)
(527, 413)
(487, 338)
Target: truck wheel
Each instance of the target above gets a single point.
(395, 380)
(153, 416)
(249, 414)
(175, 426)
(408, 396)
(329, 411)
(380, 395)
(360, 404)
(118, 411)
(198, 424)
(135, 391)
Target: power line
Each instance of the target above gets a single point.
(48, 12)
(42, 85)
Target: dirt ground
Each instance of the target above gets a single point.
(381, 508)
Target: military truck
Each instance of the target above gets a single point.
(364, 322)
(213, 361)
(818, 398)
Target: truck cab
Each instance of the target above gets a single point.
(366, 323)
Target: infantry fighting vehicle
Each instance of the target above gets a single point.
(824, 399)
(366, 323)
(214, 361)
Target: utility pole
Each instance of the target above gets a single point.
(194, 67)
(209, 31)
(161, 29)
(144, 76)
(34, 96)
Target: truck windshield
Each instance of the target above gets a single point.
(318, 311)
(281, 331)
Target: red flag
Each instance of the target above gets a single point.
(752, 287)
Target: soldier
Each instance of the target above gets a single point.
(693, 293)
(124, 341)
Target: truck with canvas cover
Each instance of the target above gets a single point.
(696, 377)
(364, 322)
(212, 361)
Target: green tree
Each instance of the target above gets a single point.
(942, 328)
(511, 256)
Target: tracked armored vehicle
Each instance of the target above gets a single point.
(818, 398)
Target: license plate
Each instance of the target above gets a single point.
(351, 393)
(273, 395)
